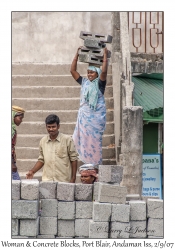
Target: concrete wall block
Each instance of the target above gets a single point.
(65, 191)
(46, 236)
(99, 37)
(93, 43)
(95, 52)
(155, 227)
(120, 213)
(16, 188)
(49, 207)
(83, 209)
(29, 227)
(119, 230)
(30, 189)
(66, 210)
(101, 212)
(112, 193)
(15, 226)
(82, 227)
(47, 189)
(66, 228)
(155, 208)
(98, 230)
(132, 197)
(48, 225)
(110, 173)
(23, 209)
(95, 191)
(137, 229)
(83, 192)
(90, 58)
(138, 210)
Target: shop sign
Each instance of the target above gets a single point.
(151, 175)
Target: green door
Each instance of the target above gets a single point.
(150, 138)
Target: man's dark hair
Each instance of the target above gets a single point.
(50, 119)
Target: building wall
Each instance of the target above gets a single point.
(53, 37)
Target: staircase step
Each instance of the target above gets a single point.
(32, 140)
(33, 153)
(65, 128)
(64, 115)
(53, 103)
(24, 165)
(49, 80)
(52, 92)
(48, 69)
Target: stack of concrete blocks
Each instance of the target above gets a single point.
(66, 208)
(25, 204)
(109, 209)
(75, 210)
(138, 220)
(155, 218)
(92, 51)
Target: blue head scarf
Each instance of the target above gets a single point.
(91, 94)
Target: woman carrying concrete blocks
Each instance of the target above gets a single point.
(91, 120)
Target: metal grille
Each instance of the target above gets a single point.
(146, 32)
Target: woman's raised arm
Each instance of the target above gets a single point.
(73, 69)
(103, 74)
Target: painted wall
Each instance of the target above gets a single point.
(53, 37)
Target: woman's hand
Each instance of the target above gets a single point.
(79, 48)
(105, 51)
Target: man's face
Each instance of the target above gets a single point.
(91, 75)
(87, 179)
(52, 129)
(18, 119)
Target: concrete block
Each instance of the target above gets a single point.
(19, 237)
(66, 228)
(90, 58)
(47, 190)
(110, 173)
(138, 210)
(83, 192)
(132, 197)
(66, 210)
(112, 193)
(137, 229)
(46, 236)
(96, 52)
(49, 207)
(48, 225)
(29, 227)
(93, 43)
(101, 37)
(83, 209)
(101, 212)
(120, 213)
(82, 227)
(154, 237)
(155, 227)
(98, 230)
(65, 191)
(30, 189)
(119, 230)
(15, 227)
(95, 191)
(16, 188)
(155, 209)
(23, 209)
(145, 198)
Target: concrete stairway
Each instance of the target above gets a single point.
(42, 89)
